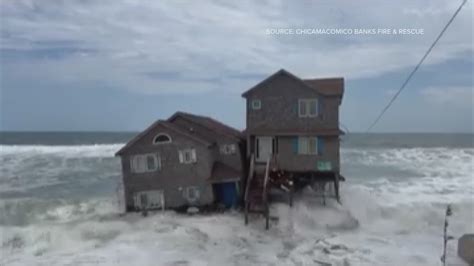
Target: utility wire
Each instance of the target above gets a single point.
(416, 67)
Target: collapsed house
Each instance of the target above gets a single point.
(187, 160)
(292, 139)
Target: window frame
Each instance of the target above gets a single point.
(182, 156)
(137, 161)
(307, 102)
(228, 149)
(196, 191)
(308, 145)
(155, 142)
(253, 102)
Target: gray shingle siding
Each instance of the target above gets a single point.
(233, 160)
(279, 107)
(290, 160)
(278, 116)
(173, 176)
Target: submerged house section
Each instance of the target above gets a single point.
(187, 160)
(291, 140)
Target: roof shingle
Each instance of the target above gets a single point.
(210, 123)
(167, 125)
(327, 86)
(324, 86)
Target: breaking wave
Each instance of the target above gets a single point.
(58, 206)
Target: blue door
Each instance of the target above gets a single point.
(226, 193)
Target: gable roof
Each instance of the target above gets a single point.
(326, 86)
(209, 123)
(164, 124)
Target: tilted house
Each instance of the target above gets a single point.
(187, 160)
(296, 122)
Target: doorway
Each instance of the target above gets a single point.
(263, 148)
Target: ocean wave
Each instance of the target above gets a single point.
(97, 150)
(25, 168)
(26, 211)
(361, 231)
(446, 162)
(392, 213)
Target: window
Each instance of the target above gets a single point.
(256, 104)
(275, 145)
(143, 200)
(150, 199)
(161, 139)
(192, 194)
(228, 149)
(187, 156)
(308, 107)
(145, 163)
(307, 145)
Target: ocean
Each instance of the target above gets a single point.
(60, 204)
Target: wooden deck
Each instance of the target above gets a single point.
(263, 178)
(256, 192)
(260, 181)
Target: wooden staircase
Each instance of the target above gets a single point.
(256, 191)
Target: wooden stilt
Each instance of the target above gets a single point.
(323, 188)
(292, 189)
(246, 213)
(267, 216)
(336, 187)
(290, 194)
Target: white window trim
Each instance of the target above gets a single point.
(144, 157)
(197, 194)
(255, 107)
(162, 142)
(228, 149)
(152, 198)
(304, 147)
(307, 109)
(182, 157)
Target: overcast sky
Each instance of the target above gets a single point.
(119, 65)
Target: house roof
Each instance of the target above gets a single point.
(208, 122)
(296, 132)
(222, 173)
(325, 86)
(164, 124)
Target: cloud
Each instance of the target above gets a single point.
(453, 96)
(187, 47)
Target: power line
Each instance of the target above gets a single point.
(416, 67)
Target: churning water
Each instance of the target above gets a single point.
(59, 206)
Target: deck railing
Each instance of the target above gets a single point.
(249, 177)
(266, 179)
(265, 193)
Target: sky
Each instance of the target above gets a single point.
(119, 65)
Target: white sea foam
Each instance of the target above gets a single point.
(392, 214)
(99, 150)
(25, 167)
(361, 232)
